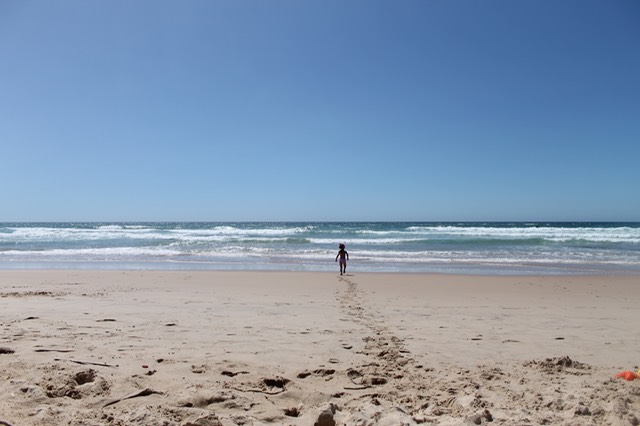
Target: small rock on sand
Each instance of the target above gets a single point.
(326, 417)
(205, 420)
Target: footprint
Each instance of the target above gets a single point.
(198, 369)
(322, 372)
(277, 382)
(233, 374)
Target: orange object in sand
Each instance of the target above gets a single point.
(628, 375)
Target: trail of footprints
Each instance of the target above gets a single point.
(391, 377)
(389, 362)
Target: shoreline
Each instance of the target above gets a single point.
(532, 270)
(257, 347)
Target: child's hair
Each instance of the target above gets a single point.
(341, 246)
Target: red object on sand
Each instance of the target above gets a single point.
(628, 375)
(145, 366)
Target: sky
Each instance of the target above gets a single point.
(285, 110)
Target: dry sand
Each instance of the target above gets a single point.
(287, 348)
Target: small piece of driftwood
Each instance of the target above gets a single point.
(143, 392)
(99, 364)
(259, 391)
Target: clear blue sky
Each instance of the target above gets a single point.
(319, 110)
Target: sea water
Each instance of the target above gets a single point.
(467, 247)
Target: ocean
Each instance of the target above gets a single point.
(442, 247)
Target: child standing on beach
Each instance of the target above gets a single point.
(344, 256)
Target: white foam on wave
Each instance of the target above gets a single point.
(84, 252)
(121, 231)
(249, 255)
(232, 230)
(556, 234)
(542, 257)
(364, 241)
(39, 234)
(375, 232)
(224, 233)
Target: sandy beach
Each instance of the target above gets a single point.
(300, 348)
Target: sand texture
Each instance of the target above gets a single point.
(294, 348)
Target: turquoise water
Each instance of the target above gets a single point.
(467, 247)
